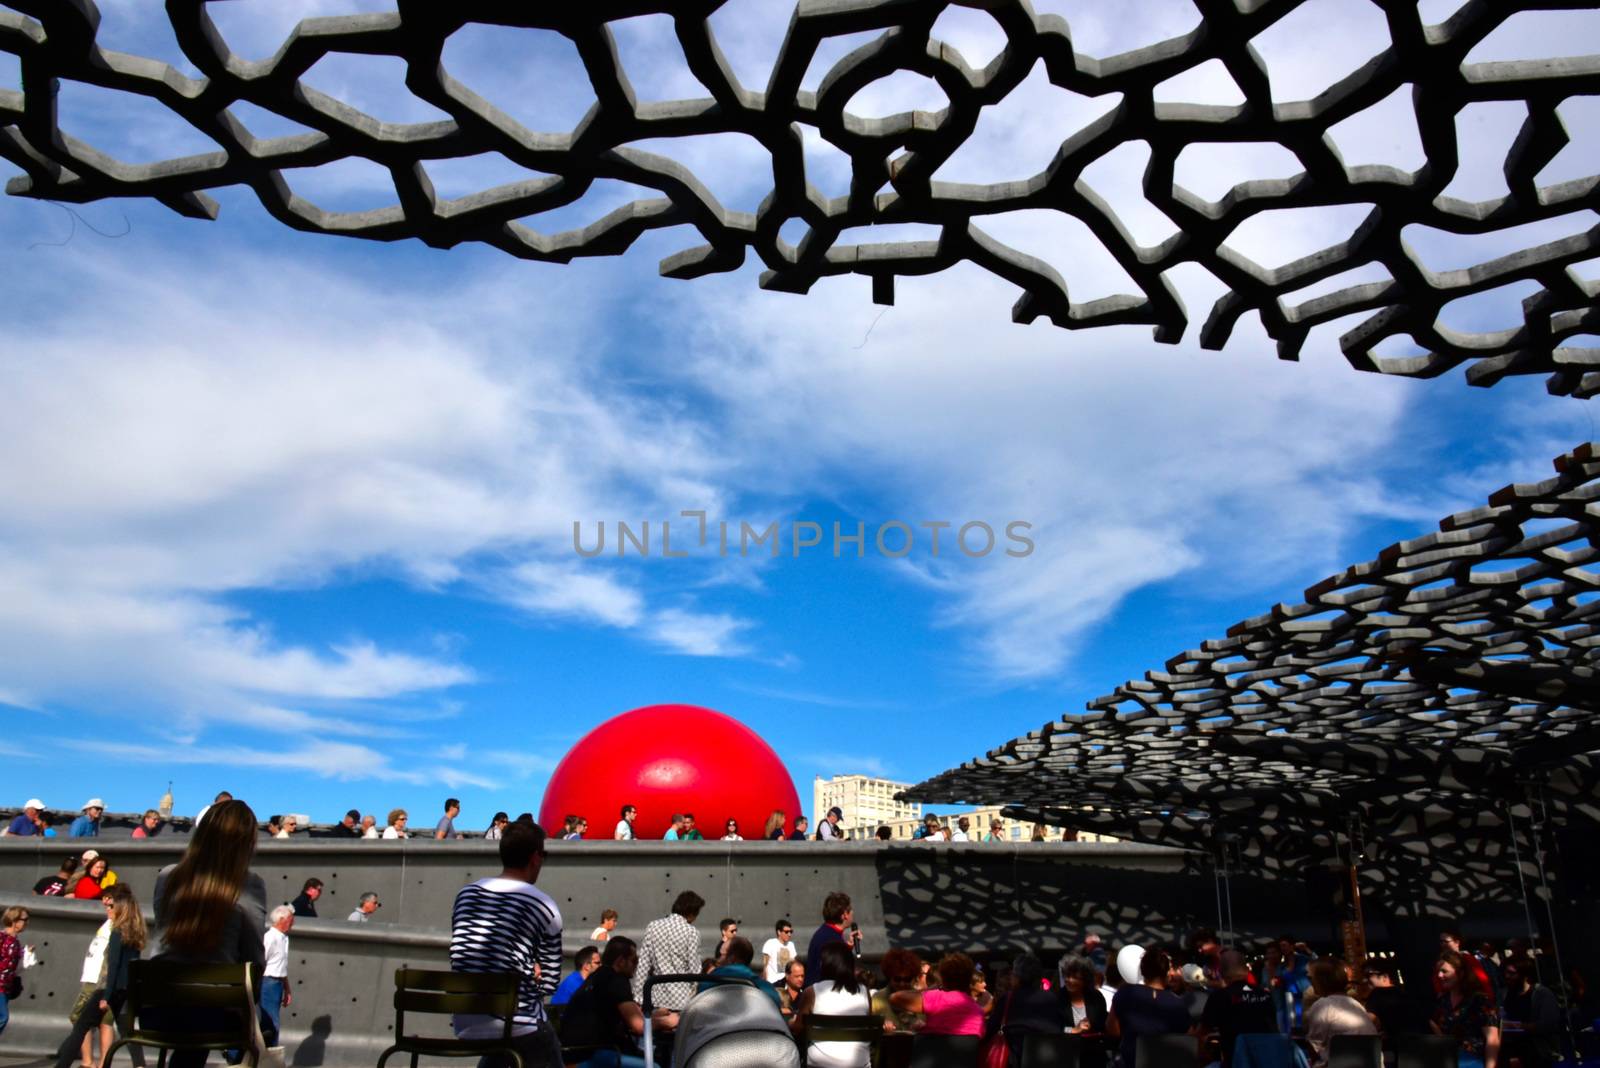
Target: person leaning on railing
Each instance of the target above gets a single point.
(210, 908)
(62, 883)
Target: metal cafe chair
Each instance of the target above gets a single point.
(1040, 1050)
(1427, 1051)
(1165, 1051)
(944, 1051)
(423, 992)
(220, 997)
(821, 1027)
(1355, 1051)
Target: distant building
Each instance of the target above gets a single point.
(978, 818)
(865, 801)
(868, 803)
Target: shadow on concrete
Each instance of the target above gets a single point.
(313, 1051)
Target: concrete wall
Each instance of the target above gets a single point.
(975, 897)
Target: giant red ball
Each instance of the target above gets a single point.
(663, 759)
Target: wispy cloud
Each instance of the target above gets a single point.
(845, 762)
(518, 765)
(342, 761)
(698, 633)
(806, 697)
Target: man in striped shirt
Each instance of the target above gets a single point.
(506, 924)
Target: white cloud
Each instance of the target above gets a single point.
(849, 763)
(570, 590)
(806, 697)
(698, 633)
(1136, 463)
(149, 472)
(344, 761)
(518, 766)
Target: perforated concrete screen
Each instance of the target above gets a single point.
(1408, 708)
(801, 234)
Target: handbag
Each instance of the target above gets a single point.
(996, 1051)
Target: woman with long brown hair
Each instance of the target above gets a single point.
(93, 880)
(100, 1000)
(210, 908)
(203, 910)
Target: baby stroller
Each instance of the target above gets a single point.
(732, 1025)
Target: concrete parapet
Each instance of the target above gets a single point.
(980, 898)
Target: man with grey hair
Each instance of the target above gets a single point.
(363, 912)
(275, 976)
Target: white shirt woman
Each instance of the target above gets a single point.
(827, 1000)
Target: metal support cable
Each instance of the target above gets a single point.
(1549, 909)
(1522, 882)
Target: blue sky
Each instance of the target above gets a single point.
(292, 514)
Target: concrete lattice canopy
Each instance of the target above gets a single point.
(893, 160)
(1413, 707)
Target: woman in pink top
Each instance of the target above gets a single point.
(950, 1010)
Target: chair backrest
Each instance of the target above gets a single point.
(1164, 1051)
(162, 984)
(1427, 1051)
(1040, 1050)
(944, 1051)
(1264, 1051)
(894, 1049)
(418, 990)
(821, 1027)
(1355, 1051)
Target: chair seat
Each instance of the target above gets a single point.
(462, 1046)
(1050, 1050)
(944, 1051)
(197, 1039)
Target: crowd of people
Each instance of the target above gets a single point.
(32, 820)
(210, 907)
(1496, 1011)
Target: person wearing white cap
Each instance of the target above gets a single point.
(29, 822)
(88, 824)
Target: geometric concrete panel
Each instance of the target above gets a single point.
(1410, 705)
(888, 165)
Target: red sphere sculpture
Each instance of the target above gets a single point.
(663, 759)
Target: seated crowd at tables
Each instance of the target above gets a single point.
(1498, 1012)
